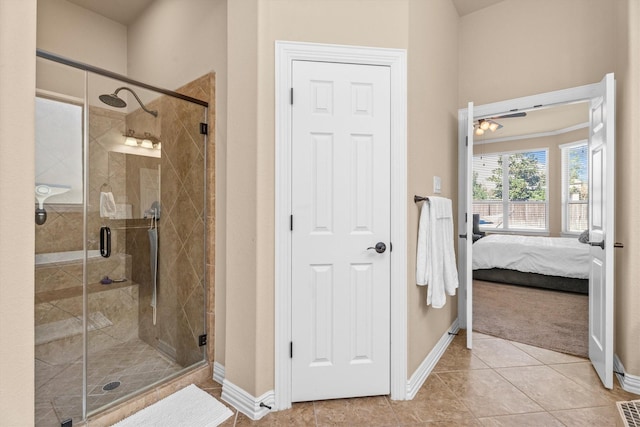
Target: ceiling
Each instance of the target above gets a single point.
(126, 11)
(122, 11)
(465, 7)
(546, 120)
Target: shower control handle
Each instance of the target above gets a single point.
(105, 242)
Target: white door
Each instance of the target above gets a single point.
(465, 222)
(340, 213)
(601, 228)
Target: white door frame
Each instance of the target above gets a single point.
(286, 53)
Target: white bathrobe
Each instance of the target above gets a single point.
(435, 259)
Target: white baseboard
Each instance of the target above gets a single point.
(420, 375)
(628, 382)
(245, 402)
(218, 372)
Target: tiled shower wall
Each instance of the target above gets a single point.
(181, 228)
(182, 225)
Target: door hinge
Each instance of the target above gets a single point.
(291, 97)
(204, 129)
(466, 141)
(290, 349)
(291, 222)
(390, 247)
(465, 217)
(202, 340)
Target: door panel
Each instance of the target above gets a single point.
(601, 229)
(341, 207)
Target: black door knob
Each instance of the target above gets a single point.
(380, 247)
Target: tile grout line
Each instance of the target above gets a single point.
(457, 398)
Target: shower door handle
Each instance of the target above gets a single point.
(105, 242)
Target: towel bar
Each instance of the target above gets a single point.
(417, 199)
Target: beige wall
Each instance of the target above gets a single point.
(574, 42)
(554, 164)
(77, 33)
(627, 178)
(432, 150)
(432, 85)
(17, 134)
(93, 39)
(534, 47)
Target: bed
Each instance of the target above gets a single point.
(558, 263)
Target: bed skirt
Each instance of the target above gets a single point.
(566, 284)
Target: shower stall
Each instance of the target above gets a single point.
(120, 211)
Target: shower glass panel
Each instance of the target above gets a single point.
(136, 307)
(59, 346)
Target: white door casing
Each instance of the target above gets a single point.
(465, 223)
(395, 59)
(340, 207)
(601, 228)
(468, 229)
(601, 201)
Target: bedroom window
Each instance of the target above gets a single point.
(510, 191)
(575, 187)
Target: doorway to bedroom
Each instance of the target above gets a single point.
(530, 206)
(514, 191)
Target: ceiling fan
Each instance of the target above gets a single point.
(489, 123)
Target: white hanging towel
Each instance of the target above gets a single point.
(435, 259)
(107, 205)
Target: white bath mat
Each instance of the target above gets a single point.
(189, 407)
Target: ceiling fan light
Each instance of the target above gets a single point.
(494, 126)
(479, 131)
(484, 125)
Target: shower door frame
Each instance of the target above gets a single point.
(109, 74)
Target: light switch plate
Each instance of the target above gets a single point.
(437, 187)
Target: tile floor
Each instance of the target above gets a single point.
(59, 387)
(499, 383)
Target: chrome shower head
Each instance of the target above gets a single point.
(115, 101)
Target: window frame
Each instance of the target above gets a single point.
(564, 193)
(506, 203)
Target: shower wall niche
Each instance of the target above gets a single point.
(98, 340)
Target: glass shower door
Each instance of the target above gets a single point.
(59, 254)
(145, 219)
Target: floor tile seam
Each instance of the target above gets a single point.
(315, 414)
(235, 416)
(542, 362)
(486, 362)
(461, 370)
(520, 389)
(540, 404)
(587, 389)
(457, 398)
(387, 399)
(521, 413)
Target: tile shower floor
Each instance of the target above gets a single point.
(499, 383)
(134, 364)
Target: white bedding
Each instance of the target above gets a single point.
(553, 256)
